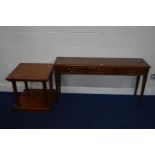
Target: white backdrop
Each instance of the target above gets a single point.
(44, 44)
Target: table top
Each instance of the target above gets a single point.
(106, 62)
(31, 72)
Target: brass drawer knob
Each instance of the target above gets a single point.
(132, 71)
(101, 69)
(70, 68)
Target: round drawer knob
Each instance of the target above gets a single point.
(132, 71)
(69, 69)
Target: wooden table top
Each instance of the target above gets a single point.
(31, 72)
(107, 62)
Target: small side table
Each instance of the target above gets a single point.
(33, 99)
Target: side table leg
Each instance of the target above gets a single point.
(57, 82)
(143, 86)
(51, 82)
(16, 92)
(137, 83)
(26, 87)
(45, 92)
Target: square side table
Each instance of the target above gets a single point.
(33, 99)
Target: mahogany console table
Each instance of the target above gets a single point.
(33, 99)
(102, 66)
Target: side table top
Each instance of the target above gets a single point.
(31, 72)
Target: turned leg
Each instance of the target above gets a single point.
(26, 87)
(45, 92)
(16, 93)
(51, 82)
(57, 82)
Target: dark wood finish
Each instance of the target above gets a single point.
(51, 81)
(16, 92)
(143, 84)
(99, 62)
(137, 83)
(34, 72)
(26, 85)
(31, 72)
(102, 66)
(34, 101)
(45, 92)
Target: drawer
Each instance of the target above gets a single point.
(116, 71)
(103, 70)
(100, 70)
(132, 71)
(73, 69)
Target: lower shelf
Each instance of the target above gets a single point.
(33, 100)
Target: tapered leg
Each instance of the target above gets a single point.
(137, 83)
(26, 85)
(143, 86)
(57, 82)
(16, 92)
(51, 81)
(45, 92)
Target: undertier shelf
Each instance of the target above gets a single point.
(33, 100)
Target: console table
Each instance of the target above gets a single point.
(102, 66)
(33, 99)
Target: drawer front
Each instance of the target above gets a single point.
(73, 69)
(100, 70)
(132, 71)
(116, 71)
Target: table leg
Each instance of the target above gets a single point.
(51, 81)
(45, 92)
(16, 93)
(143, 86)
(137, 83)
(57, 82)
(26, 87)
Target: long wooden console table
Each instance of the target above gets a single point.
(102, 66)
